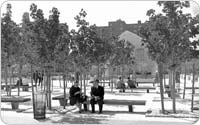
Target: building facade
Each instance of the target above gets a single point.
(129, 32)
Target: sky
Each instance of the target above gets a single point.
(98, 12)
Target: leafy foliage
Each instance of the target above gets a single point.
(9, 33)
(86, 47)
(168, 36)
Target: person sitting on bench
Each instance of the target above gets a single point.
(97, 96)
(131, 83)
(76, 97)
(121, 85)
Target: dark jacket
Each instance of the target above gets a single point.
(35, 75)
(19, 82)
(97, 91)
(131, 84)
(73, 90)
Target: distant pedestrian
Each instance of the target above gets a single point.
(40, 78)
(19, 82)
(35, 77)
(121, 85)
(97, 96)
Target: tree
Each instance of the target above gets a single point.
(62, 51)
(46, 33)
(86, 46)
(168, 38)
(9, 30)
(122, 54)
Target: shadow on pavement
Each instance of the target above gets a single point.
(78, 119)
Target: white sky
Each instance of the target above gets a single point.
(99, 12)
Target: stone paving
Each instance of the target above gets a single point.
(111, 114)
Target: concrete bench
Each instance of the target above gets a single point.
(60, 98)
(6, 87)
(147, 88)
(191, 87)
(24, 87)
(62, 102)
(14, 101)
(130, 103)
(145, 81)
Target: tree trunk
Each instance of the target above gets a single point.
(160, 68)
(98, 71)
(81, 80)
(64, 87)
(6, 79)
(164, 80)
(170, 82)
(173, 91)
(112, 77)
(33, 99)
(48, 83)
(10, 88)
(193, 79)
(184, 83)
(84, 83)
(60, 81)
(20, 76)
(77, 74)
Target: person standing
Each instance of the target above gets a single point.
(97, 96)
(19, 82)
(40, 78)
(35, 77)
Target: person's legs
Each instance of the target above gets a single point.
(78, 104)
(39, 82)
(123, 86)
(100, 103)
(36, 80)
(92, 102)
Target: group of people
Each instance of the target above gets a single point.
(38, 77)
(121, 85)
(96, 94)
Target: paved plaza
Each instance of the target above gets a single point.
(111, 114)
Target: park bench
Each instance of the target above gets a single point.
(60, 98)
(105, 82)
(191, 87)
(144, 87)
(14, 100)
(7, 87)
(130, 103)
(24, 87)
(145, 81)
(62, 102)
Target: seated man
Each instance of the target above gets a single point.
(76, 97)
(97, 96)
(121, 85)
(131, 83)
